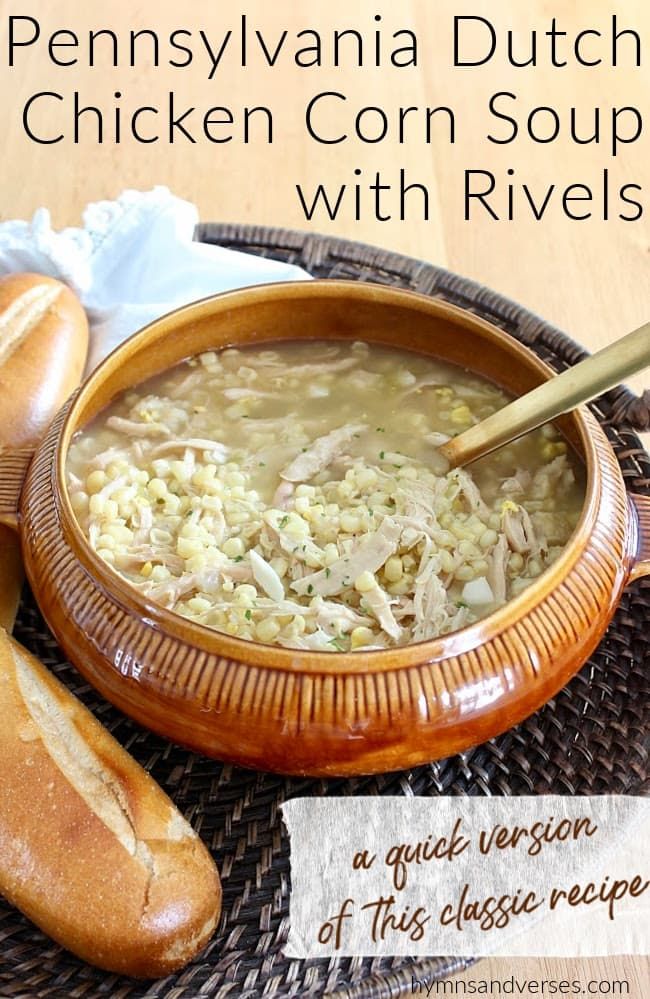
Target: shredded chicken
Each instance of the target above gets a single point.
(519, 531)
(377, 602)
(132, 428)
(321, 453)
(517, 484)
(216, 450)
(498, 565)
(369, 557)
(430, 599)
(470, 491)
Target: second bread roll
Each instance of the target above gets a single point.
(90, 848)
(43, 348)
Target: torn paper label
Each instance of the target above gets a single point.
(538, 876)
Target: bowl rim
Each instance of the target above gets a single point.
(256, 654)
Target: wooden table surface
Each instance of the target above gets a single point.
(591, 278)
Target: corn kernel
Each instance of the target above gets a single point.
(465, 573)
(488, 538)
(297, 625)
(280, 565)
(181, 471)
(267, 630)
(447, 562)
(361, 636)
(157, 488)
(349, 523)
(212, 503)
(245, 594)
(409, 472)
(330, 554)
(106, 554)
(233, 547)
(365, 582)
(146, 570)
(96, 505)
(509, 506)
(301, 504)
(96, 481)
(160, 573)
(199, 604)
(172, 504)
(111, 509)
(79, 501)
(553, 449)
(122, 535)
(393, 570)
(366, 477)
(461, 415)
(237, 517)
(186, 547)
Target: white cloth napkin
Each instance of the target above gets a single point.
(133, 260)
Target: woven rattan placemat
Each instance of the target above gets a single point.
(591, 738)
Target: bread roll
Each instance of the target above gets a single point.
(43, 348)
(90, 848)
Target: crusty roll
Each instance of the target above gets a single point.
(90, 848)
(43, 348)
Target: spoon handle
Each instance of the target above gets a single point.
(577, 385)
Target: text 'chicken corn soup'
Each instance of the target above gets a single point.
(294, 496)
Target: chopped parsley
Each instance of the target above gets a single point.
(238, 558)
(328, 573)
(461, 603)
(338, 642)
(310, 588)
(248, 615)
(381, 455)
(284, 521)
(381, 430)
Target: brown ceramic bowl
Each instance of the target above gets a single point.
(307, 712)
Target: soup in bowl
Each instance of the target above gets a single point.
(161, 558)
(293, 494)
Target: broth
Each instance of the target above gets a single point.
(293, 495)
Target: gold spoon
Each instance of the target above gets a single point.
(577, 385)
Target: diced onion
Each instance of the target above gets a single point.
(266, 577)
(477, 591)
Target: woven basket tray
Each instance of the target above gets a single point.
(591, 738)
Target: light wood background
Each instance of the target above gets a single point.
(590, 278)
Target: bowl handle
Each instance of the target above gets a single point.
(13, 469)
(641, 513)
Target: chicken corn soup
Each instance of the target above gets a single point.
(294, 495)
